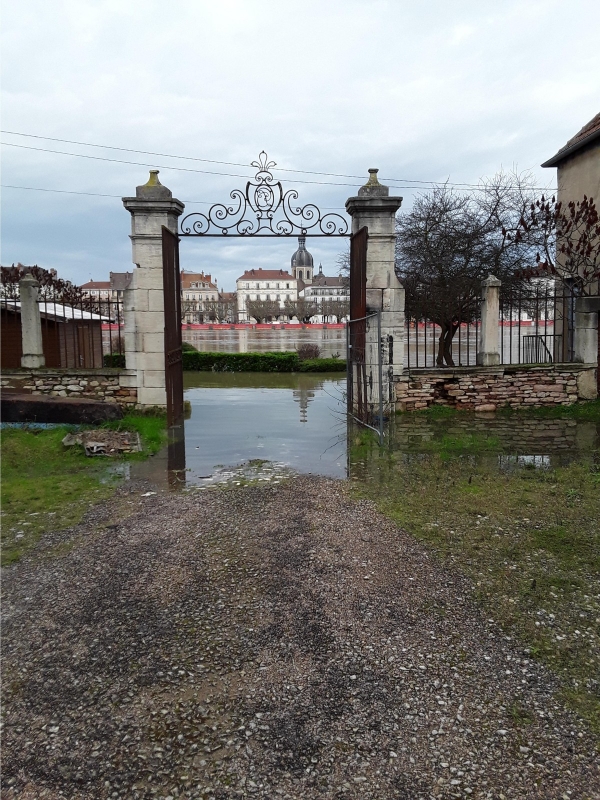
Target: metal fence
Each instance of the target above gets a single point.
(536, 326)
(537, 323)
(422, 344)
(77, 331)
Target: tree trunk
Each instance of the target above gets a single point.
(444, 354)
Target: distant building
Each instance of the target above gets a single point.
(325, 290)
(108, 290)
(302, 264)
(264, 284)
(199, 296)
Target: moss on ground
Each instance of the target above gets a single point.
(46, 486)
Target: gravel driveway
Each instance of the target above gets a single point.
(279, 641)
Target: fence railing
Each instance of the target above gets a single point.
(422, 344)
(537, 324)
(77, 331)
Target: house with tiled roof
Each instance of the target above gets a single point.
(265, 284)
(199, 293)
(578, 165)
(328, 293)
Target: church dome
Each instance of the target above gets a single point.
(302, 258)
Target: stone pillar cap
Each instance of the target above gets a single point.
(372, 187)
(491, 280)
(29, 279)
(153, 189)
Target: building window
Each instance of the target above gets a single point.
(247, 286)
(287, 286)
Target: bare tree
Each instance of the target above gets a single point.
(264, 310)
(335, 308)
(303, 309)
(449, 241)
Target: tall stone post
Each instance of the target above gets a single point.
(489, 337)
(31, 324)
(374, 209)
(585, 334)
(143, 303)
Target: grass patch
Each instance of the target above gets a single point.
(46, 486)
(528, 538)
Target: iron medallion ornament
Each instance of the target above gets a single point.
(264, 209)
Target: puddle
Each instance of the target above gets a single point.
(495, 442)
(255, 427)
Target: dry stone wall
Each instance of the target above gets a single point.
(490, 388)
(104, 385)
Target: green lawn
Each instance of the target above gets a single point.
(528, 538)
(46, 486)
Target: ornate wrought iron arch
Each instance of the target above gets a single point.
(263, 209)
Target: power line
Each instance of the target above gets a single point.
(214, 161)
(416, 183)
(118, 196)
(179, 169)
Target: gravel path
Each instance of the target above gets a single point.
(280, 641)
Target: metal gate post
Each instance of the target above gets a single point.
(380, 375)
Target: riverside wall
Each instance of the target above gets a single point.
(105, 385)
(490, 388)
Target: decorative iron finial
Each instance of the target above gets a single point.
(263, 209)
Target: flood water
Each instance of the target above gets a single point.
(248, 425)
(221, 339)
(262, 426)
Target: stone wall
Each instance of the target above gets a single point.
(106, 385)
(489, 388)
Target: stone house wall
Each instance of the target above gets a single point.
(489, 388)
(105, 385)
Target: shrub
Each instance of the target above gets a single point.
(115, 360)
(322, 365)
(306, 351)
(186, 347)
(241, 362)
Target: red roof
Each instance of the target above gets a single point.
(187, 278)
(588, 134)
(266, 275)
(103, 285)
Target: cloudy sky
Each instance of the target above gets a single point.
(426, 91)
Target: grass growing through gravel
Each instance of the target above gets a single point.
(528, 538)
(48, 486)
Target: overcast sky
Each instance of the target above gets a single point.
(426, 91)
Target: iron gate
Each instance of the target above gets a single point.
(364, 347)
(172, 293)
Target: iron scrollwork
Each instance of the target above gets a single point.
(263, 209)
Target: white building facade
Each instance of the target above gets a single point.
(264, 284)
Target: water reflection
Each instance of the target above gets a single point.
(266, 422)
(500, 442)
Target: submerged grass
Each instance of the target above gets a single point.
(46, 486)
(528, 538)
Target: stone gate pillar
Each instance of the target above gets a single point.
(31, 324)
(489, 332)
(143, 305)
(375, 209)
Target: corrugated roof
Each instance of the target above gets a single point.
(588, 134)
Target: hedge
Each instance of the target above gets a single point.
(195, 361)
(258, 362)
(322, 365)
